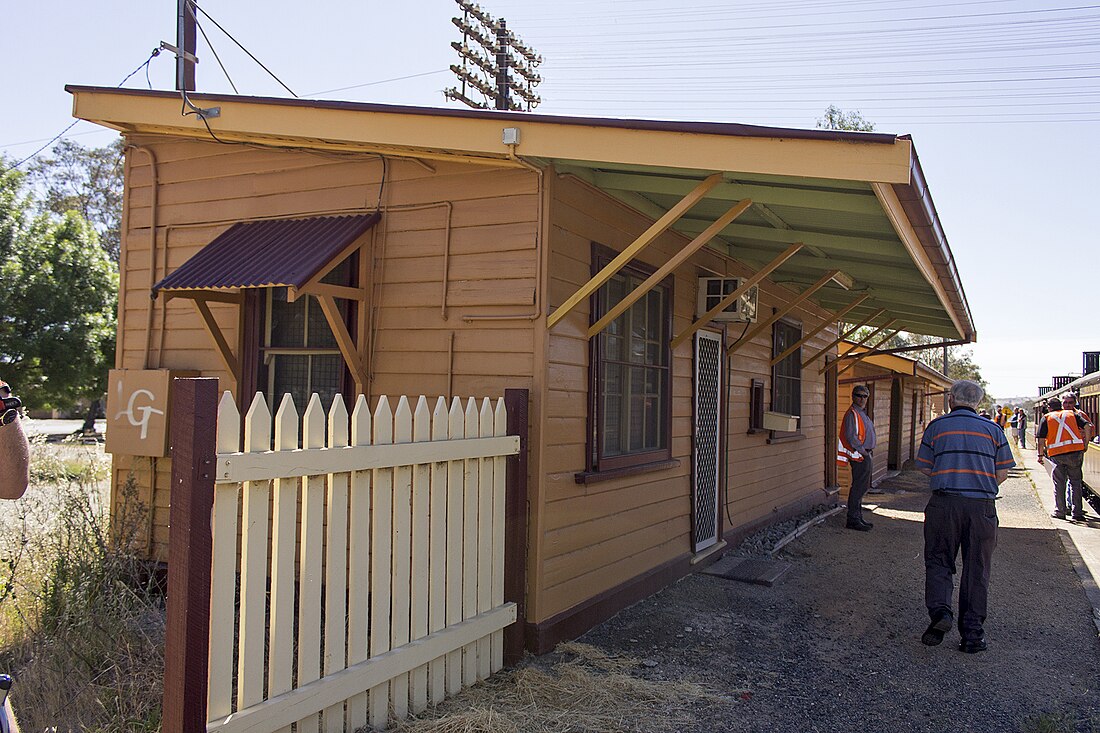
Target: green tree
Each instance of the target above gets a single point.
(837, 119)
(57, 303)
(85, 180)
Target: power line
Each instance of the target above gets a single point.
(195, 6)
(55, 138)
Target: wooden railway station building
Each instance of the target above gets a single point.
(667, 292)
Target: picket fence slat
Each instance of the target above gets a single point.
(336, 563)
(500, 428)
(437, 560)
(223, 571)
(469, 543)
(387, 528)
(310, 562)
(254, 523)
(421, 547)
(484, 537)
(269, 465)
(284, 537)
(382, 533)
(401, 607)
(359, 562)
(456, 515)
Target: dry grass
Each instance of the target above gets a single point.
(586, 691)
(81, 624)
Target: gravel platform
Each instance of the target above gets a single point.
(835, 645)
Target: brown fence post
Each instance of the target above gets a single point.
(194, 414)
(515, 512)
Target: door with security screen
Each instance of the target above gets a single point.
(706, 440)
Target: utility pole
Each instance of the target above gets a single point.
(186, 45)
(502, 65)
(489, 53)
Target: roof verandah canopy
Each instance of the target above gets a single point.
(811, 209)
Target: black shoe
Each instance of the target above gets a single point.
(1058, 515)
(973, 646)
(1079, 518)
(859, 525)
(940, 625)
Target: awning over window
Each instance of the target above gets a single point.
(259, 254)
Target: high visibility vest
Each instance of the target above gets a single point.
(1063, 435)
(845, 452)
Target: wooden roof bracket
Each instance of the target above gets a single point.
(656, 229)
(232, 365)
(859, 343)
(344, 341)
(677, 259)
(315, 287)
(859, 357)
(802, 297)
(843, 336)
(325, 289)
(833, 318)
(745, 286)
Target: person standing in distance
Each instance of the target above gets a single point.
(857, 442)
(968, 458)
(15, 452)
(1063, 436)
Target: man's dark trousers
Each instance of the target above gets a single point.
(952, 522)
(861, 483)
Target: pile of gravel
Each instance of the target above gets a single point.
(763, 542)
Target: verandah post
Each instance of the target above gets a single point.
(194, 414)
(515, 513)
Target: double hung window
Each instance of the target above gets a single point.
(631, 384)
(787, 374)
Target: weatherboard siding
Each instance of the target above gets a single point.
(418, 346)
(597, 536)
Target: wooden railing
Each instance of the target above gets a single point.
(354, 573)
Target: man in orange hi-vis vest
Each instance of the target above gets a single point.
(1063, 436)
(857, 441)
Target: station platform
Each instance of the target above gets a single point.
(1081, 539)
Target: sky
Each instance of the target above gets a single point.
(1002, 98)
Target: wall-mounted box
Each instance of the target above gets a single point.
(137, 410)
(780, 421)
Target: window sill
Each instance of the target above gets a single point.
(786, 438)
(594, 477)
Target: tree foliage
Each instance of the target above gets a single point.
(837, 119)
(57, 303)
(85, 180)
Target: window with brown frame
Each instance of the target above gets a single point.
(787, 374)
(630, 398)
(298, 351)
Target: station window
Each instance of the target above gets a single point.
(787, 374)
(299, 354)
(631, 376)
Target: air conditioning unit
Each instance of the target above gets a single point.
(713, 289)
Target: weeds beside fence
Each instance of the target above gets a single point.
(81, 620)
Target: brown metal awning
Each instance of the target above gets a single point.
(272, 253)
(291, 253)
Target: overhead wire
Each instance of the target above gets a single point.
(155, 52)
(241, 46)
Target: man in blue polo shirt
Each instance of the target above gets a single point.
(967, 457)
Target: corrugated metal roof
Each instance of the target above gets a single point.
(277, 252)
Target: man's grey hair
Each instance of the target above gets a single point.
(967, 393)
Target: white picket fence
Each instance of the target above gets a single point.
(390, 529)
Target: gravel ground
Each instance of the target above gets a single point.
(835, 645)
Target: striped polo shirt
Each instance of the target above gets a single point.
(965, 452)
